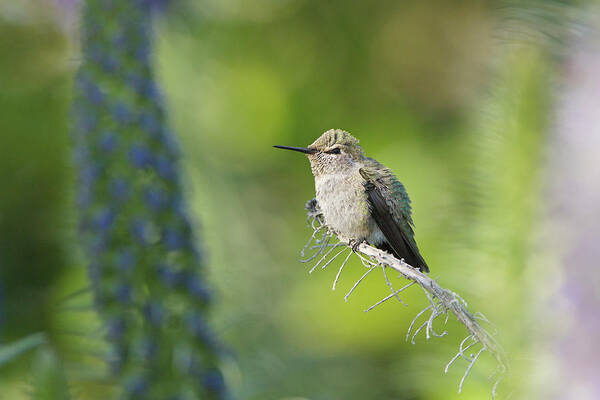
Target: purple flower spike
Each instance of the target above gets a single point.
(144, 268)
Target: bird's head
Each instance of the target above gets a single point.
(335, 151)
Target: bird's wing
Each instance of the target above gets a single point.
(390, 207)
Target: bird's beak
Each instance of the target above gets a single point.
(305, 150)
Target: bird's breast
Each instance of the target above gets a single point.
(343, 202)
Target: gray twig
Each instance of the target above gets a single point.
(325, 256)
(333, 258)
(469, 369)
(357, 282)
(386, 298)
(495, 387)
(312, 237)
(387, 281)
(366, 262)
(459, 354)
(322, 243)
(415, 320)
(340, 270)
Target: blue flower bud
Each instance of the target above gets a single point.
(148, 348)
(116, 357)
(87, 122)
(169, 276)
(123, 293)
(155, 198)
(154, 313)
(136, 387)
(142, 53)
(126, 260)
(122, 114)
(119, 42)
(213, 380)
(198, 327)
(135, 82)
(169, 141)
(198, 289)
(144, 231)
(94, 93)
(140, 156)
(84, 197)
(119, 188)
(149, 123)
(109, 63)
(89, 174)
(108, 142)
(94, 53)
(116, 329)
(81, 154)
(103, 220)
(164, 167)
(173, 239)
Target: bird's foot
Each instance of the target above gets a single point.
(355, 244)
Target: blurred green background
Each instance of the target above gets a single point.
(454, 96)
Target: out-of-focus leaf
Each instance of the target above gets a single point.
(9, 352)
(48, 380)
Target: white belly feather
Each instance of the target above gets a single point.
(343, 201)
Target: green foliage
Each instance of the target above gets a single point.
(34, 174)
(10, 351)
(48, 380)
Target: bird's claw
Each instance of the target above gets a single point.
(355, 244)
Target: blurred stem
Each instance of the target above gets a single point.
(13, 350)
(573, 214)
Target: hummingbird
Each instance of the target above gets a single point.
(361, 200)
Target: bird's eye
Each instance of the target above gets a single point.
(334, 151)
